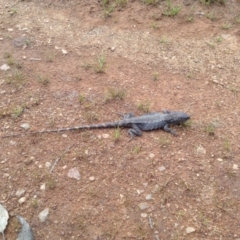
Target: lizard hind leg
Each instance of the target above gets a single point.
(135, 131)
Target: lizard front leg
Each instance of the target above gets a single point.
(135, 131)
(167, 129)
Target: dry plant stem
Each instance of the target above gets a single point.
(57, 159)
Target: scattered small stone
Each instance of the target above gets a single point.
(201, 150)
(74, 173)
(24, 57)
(22, 200)
(43, 215)
(20, 192)
(10, 29)
(25, 126)
(190, 230)
(162, 168)
(64, 167)
(12, 142)
(235, 166)
(143, 205)
(64, 135)
(92, 178)
(5, 67)
(140, 191)
(40, 166)
(48, 164)
(112, 49)
(64, 51)
(1, 39)
(151, 155)
(219, 159)
(149, 197)
(43, 187)
(105, 135)
(144, 215)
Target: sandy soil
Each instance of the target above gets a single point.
(80, 62)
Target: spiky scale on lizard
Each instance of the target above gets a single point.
(146, 122)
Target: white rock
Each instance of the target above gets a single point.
(144, 215)
(105, 135)
(74, 173)
(162, 168)
(22, 200)
(12, 142)
(149, 197)
(92, 178)
(20, 192)
(201, 150)
(151, 155)
(64, 51)
(190, 230)
(219, 159)
(10, 29)
(43, 187)
(143, 205)
(25, 126)
(43, 215)
(48, 164)
(64, 135)
(235, 166)
(5, 67)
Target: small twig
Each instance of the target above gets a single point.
(156, 237)
(57, 159)
(150, 222)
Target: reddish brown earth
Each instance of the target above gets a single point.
(153, 62)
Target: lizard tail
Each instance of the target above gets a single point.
(93, 126)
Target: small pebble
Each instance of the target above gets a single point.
(143, 205)
(235, 166)
(22, 200)
(201, 150)
(92, 178)
(190, 230)
(43, 187)
(162, 168)
(151, 155)
(20, 192)
(43, 215)
(219, 159)
(144, 215)
(74, 173)
(148, 197)
(48, 164)
(64, 51)
(25, 126)
(64, 135)
(12, 142)
(105, 135)
(5, 67)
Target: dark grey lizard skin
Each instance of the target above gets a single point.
(146, 122)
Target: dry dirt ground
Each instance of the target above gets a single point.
(80, 62)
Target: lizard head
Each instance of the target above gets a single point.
(178, 117)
